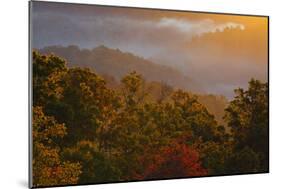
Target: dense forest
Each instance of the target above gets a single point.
(95, 128)
(113, 65)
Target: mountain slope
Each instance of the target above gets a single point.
(116, 63)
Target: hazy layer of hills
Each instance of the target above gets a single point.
(113, 64)
(116, 63)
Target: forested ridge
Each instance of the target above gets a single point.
(113, 65)
(88, 130)
(116, 63)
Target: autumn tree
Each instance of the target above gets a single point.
(86, 131)
(79, 100)
(48, 168)
(193, 115)
(133, 89)
(46, 74)
(175, 161)
(86, 105)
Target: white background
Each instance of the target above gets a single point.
(14, 93)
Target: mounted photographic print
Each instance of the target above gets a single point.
(120, 94)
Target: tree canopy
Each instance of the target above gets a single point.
(87, 132)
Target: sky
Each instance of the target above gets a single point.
(221, 52)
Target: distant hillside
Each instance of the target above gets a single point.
(116, 63)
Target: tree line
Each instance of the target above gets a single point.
(86, 132)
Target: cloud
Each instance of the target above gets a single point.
(222, 47)
(197, 27)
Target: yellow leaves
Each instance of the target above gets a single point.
(48, 169)
(45, 127)
(53, 84)
(62, 174)
(132, 82)
(86, 90)
(181, 96)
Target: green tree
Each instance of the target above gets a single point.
(247, 116)
(97, 167)
(245, 160)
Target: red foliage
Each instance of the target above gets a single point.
(175, 161)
